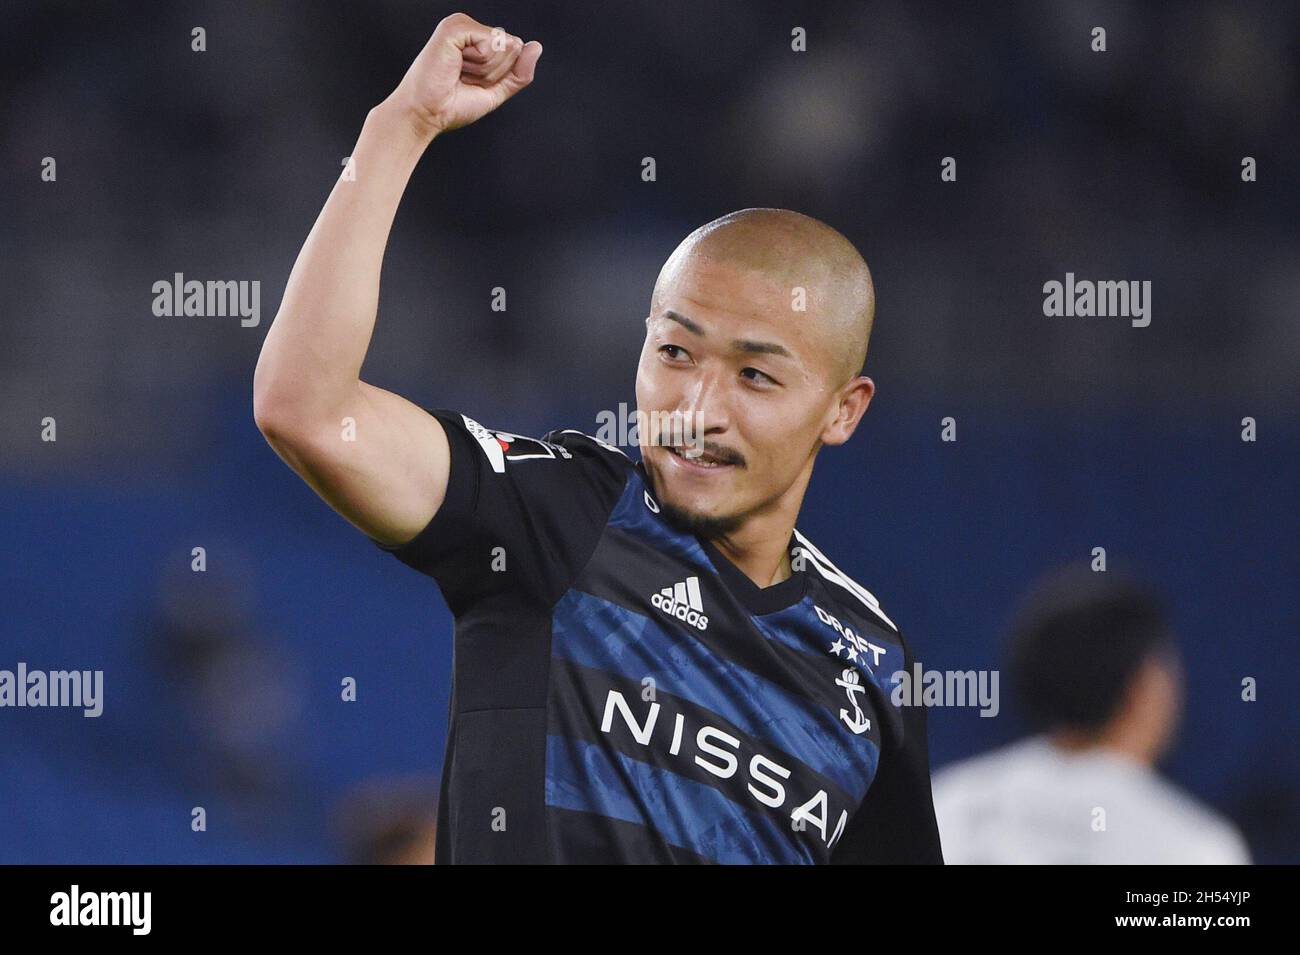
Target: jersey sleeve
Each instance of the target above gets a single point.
(895, 825)
(521, 515)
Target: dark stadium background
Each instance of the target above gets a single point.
(223, 688)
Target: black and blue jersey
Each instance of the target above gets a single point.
(623, 693)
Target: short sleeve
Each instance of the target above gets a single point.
(895, 825)
(520, 515)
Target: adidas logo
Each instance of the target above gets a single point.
(682, 600)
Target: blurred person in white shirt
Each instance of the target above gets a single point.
(1095, 669)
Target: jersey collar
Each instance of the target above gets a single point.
(757, 600)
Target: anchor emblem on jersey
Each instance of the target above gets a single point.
(851, 681)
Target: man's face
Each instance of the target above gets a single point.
(728, 357)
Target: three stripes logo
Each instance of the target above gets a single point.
(682, 600)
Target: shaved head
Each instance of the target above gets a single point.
(792, 251)
(756, 338)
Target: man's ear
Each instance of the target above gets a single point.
(849, 409)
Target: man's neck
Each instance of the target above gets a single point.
(760, 549)
(1131, 746)
(761, 565)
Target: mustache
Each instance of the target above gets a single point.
(693, 449)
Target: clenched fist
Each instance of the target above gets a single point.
(465, 71)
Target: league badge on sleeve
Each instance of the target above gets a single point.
(503, 446)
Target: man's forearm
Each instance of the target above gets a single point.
(312, 356)
(381, 461)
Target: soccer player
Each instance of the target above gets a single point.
(1096, 667)
(651, 664)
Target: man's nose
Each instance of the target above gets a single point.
(705, 404)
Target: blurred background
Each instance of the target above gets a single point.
(223, 688)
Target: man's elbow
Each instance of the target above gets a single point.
(291, 417)
(268, 404)
(278, 412)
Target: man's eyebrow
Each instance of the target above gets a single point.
(760, 348)
(739, 344)
(682, 320)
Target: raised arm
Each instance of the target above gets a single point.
(386, 470)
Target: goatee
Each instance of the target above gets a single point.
(701, 525)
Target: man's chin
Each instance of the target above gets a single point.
(707, 526)
(688, 519)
